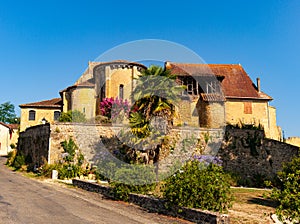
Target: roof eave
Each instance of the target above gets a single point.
(249, 98)
(40, 106)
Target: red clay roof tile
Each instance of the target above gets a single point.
(236, 82)
(53, 103)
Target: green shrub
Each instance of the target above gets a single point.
(137, 179)
(19, 161)
(70, 148)
(198, 187)
(102, 119)
(11, 157)
(67, 171)
(288, 193)
(72, 116)
(46, 170)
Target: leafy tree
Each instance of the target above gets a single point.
(288, 193)
(7, 113)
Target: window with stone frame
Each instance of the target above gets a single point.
(31, 115)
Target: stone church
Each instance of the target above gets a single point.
(214, 95)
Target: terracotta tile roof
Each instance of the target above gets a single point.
(191, 69)
(236, 82)
(86, 84)
(53, 103)
(5, 125)
(13, 126)
(212, 97)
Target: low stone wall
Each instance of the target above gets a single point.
(157, 205)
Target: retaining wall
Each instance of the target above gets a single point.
(157, 205)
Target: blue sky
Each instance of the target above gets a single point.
(46, 45)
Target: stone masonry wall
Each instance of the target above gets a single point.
(34, 144)
(252, 156)
(86, 136)
(244, 152)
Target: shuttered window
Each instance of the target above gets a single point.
(247, 107)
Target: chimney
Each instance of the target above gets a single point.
(258, 84)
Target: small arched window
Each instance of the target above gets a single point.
(31, 115)
(121, 91)
(56, 115)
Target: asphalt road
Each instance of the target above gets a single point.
(30, 201)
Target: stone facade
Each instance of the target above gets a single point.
(253, 112)
(9, 134)
(5, 139)
(211, 114)
(40, 114)
(101, 80)
(293, 141)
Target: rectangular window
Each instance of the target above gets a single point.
(121, 91)
(31, 115)
(247, 107)
(211, 87)
(56, 115)
(192, 86)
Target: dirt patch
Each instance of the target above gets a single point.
(251, 206)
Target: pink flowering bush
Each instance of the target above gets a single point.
(105, 107)
(115, 108)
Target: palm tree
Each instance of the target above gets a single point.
(154, 97)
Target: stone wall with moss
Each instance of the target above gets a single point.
(253, 157)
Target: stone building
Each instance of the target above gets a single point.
(215, 95)
(40, 112)
(8, 135)
(221, 90)
(100, 81)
